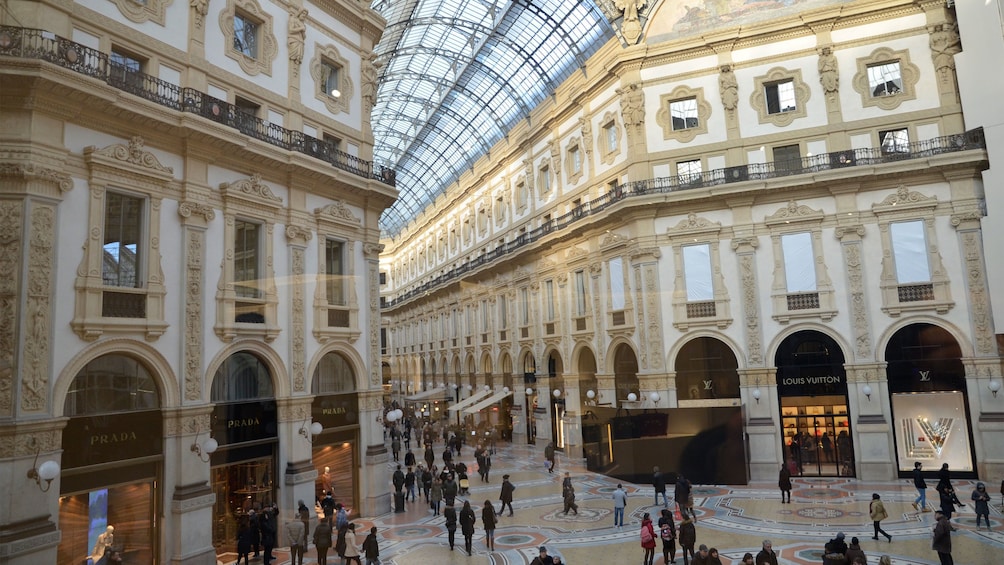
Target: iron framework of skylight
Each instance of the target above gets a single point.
(456, 75)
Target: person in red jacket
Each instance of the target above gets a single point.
(647, 539)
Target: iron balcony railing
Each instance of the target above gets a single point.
(27, 43)
(969, 140)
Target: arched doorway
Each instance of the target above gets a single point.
(706, 370)
(336, 450)
(587, 376)
(625, 372)
(930, 407)
(112, 460)
(555, 372)
(245, 424)
(812, 389)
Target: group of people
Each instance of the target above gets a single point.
(837, 552)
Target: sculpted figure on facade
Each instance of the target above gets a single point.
(632, 104)
(201, 8)
(368, 70)
(586, 129)
(297, 34)
(945, 43)
(828, 73)
(630, 27)
(729, 87)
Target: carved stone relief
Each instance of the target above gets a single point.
(38, 310)
(194, 282)
(299, 352)
(853, 249)
(11, 226)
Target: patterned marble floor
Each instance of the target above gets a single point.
(733, 519)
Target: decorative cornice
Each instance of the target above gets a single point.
(372, 249)
(134, 154)
(841, 231)
(187, 208)
(794, 212)
(694, 224)
(251, 187)
(337, 211)
(30, 171)
(294, 232)
(904, 197)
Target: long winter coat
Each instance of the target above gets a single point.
(488, 519)
(467, 520)
(647, 525)
(688, 533)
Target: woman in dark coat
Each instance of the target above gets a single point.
(688, 537)
(340, 542)
(784, 483)
(488, 520)
(322, 540)
(267, 521)
(243, 539)
(467, 520)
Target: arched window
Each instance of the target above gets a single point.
(333, 375)
(706, 368)
(111, 383)
(242, 376)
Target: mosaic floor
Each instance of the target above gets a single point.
(733, 519)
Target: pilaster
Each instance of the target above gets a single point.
(187, 489)
(374, 491)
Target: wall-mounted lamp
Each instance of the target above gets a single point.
(654, 397)
(487, 388)
(505, 390)
(867, 391)
(591, 394)
(557, 393)
(469, 388)
(454, 385)
(993, 386)
(529, 391)
(47, 471)
(309, 432)
(632, 397)
(756, 395)
(208, 447)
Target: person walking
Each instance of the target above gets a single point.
(667, 533)
(784, 483)
(450, 490)
(430, 455)
(352, 545)
(268, 530)
(542, 558)
(766, 555)
(659, 484)
(568, 496)
(506, 495)
(297, 540)
(395, 447)
(436, 496)
(450, 514)
(702, 557)
(647, 540)
(467, 520)
(343, 532)
(322, 540)
(713, 557)
(488, 520)
(877, 512)
(683, 493)
(942, 540)
(688, 537)
(371, 548)
(920, 503)
(549, 457)
(398, 479)
(620, 503)
(409, 485)
(243, 539)
(981, 503)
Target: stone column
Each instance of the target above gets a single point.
(295, 455)
(187, 489)
(872, 432)
(374, 479)
(573, 417)
(762, 417)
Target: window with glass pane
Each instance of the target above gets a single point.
(799, 262)
(503, 312)
(332, 75)
(111, 383)
(549, 291)
(610, 131)
(124, 63)
(780, 97)
(580, 293)
(885, 79)
(246, 35)
(616, 284)
(895, 141)
(545, 179)
(909, 249)
(524, 306)
(333, 375)
(683, 114)
(334, 268)
(689, 171)
(242, 376)
(576, 159)
(484, 315)
(697, 272)
(123, 230)
(788, 157)
(246, 241)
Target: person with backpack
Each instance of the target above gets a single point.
(647, 540)
(667, 533)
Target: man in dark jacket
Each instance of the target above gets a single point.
(409, 459)
(322, 540)
(506, 495)
(766, 555)
(942, 542)
(409, 485)
(921, 485)
(398, 479)
(836, 545)
(681, 493)
(430, 456)
(450, 514)
(267, 523)
(659, 482)
(371, 549)
(450, 490)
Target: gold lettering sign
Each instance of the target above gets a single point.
(243, 422)
(104, 439)
(333, 411)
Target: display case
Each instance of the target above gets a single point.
(812, 437)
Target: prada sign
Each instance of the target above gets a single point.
(90, 440)
(244, 421)
(336, 410)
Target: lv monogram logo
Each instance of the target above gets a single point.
(707, 385)
(925, 376)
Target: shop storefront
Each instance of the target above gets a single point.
(706, 371)
(336, 450)
(930, 407)
(244, 423)
(112, 463)
(812, 390)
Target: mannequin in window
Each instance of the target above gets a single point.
(326, 480)
(104, 542)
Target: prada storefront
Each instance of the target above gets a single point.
(812, 389)
(336, 449)
(244, 422)
(112, 463)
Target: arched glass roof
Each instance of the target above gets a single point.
(457, 75)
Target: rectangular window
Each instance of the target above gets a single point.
(334, 143)
(780, 97)
(549, 291)
(788, 158)
(484, 315)
(503, 312)
(331, 75)
(246, 242)
(683, 114)
(909, 249)
(123, 232)
(616, 284)
(545, 179)
(697, 272)
(334, 268)
(895, 141)
(799, 262)
(576, 159)
(246, 107)
(455, 329)
(246, 35)
(689, 171)
(125, 69)
(610, 134)
(885, 79)
(524, 306)
(580, 293)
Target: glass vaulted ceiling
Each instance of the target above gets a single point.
(456, 75)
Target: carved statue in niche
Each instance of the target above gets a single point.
(369, 79)
(201, 8)
(945, 43)
(729, 87)
(828, 73)
(297, 34)
(586, 129)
